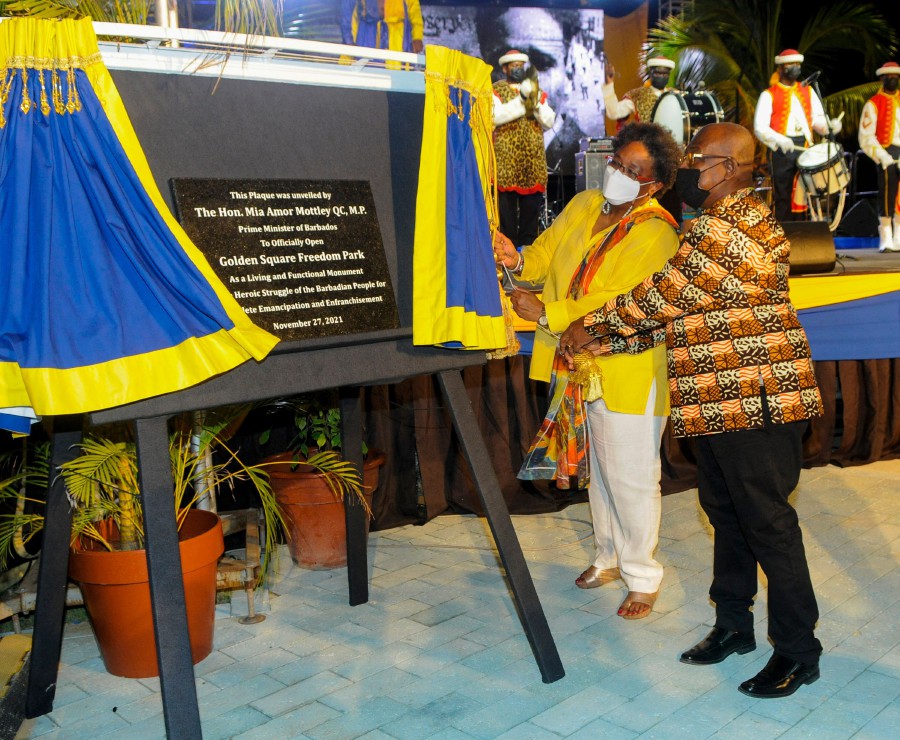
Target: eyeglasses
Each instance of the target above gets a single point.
(619, 166)
(692, 158)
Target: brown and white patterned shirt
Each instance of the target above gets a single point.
(730, 328)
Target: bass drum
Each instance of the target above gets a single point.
(823, 169)
(683, 113)
(823, 172)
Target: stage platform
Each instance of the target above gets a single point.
(857, 261)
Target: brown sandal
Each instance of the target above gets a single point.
(636, 597)
(594, 576)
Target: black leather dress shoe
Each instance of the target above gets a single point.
(781, 677)
(717, 646)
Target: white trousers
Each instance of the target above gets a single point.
(624, 492)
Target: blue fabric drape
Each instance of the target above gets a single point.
(471, 274)
(77, 223)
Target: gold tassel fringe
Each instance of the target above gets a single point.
(588, 375)
(57, 68)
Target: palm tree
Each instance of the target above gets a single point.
(256, 17)
(729, 45)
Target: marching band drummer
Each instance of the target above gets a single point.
(786, 116)
(522, 113)
(637, 104)
(879, 138)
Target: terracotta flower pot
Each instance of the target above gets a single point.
(117, 596)
(317, 530)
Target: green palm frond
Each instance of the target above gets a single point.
(341, 476)
(135, 11)
(103, 484)
(847, 26)
(254, 17)
(95, 475)
(850, 102)
(24, 469)
(42, 9)
(231, 469)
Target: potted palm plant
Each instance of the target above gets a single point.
(107, 557)
(310, 479)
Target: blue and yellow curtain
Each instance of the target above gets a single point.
(456, 294)
(850, 317)
(105, 299)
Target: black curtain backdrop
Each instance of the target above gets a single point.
(408, 421)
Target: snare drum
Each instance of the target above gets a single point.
(822, 169)
(683, 113)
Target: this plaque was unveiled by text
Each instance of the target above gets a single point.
(304, 258)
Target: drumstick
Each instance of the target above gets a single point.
(798, 148)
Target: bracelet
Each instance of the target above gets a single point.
(520, 264)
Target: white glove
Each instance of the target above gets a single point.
(525, 88)
(836, 125)
(784, 143)
(884, 159)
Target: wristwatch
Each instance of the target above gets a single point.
(542, 319)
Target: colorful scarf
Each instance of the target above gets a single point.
(559, 451)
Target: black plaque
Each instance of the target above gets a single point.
(303, 258)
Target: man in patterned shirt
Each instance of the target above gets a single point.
(742, 383)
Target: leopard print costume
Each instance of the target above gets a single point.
(644, 98)
(519, 148)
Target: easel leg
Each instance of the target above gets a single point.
(533, 619)
(173, 647)
(354, 513)
(50, 603)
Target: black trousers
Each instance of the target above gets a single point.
(784, 167)
(520, 216)
(744, 480)
(887, 185)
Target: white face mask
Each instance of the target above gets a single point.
(618, 188)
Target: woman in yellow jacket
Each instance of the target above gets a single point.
(606, 420)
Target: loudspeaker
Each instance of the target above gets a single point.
(590, 170)
(860, 220)
(812, 246)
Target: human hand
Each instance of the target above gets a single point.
(526, 304)
(526, 87)
(417, 46)
(784, 143)
(573, 340)
(836, 125)
(505, 252)
(610, 72)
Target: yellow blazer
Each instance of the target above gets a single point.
(553, 259)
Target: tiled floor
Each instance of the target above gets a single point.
(438, 651)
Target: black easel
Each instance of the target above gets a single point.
(346, 362)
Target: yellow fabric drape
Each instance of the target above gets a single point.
(47, 51)
(448, 73)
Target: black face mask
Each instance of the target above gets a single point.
(659, 81)
(687, 185)
(891, 84)
(517, 74)
(792, 73)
